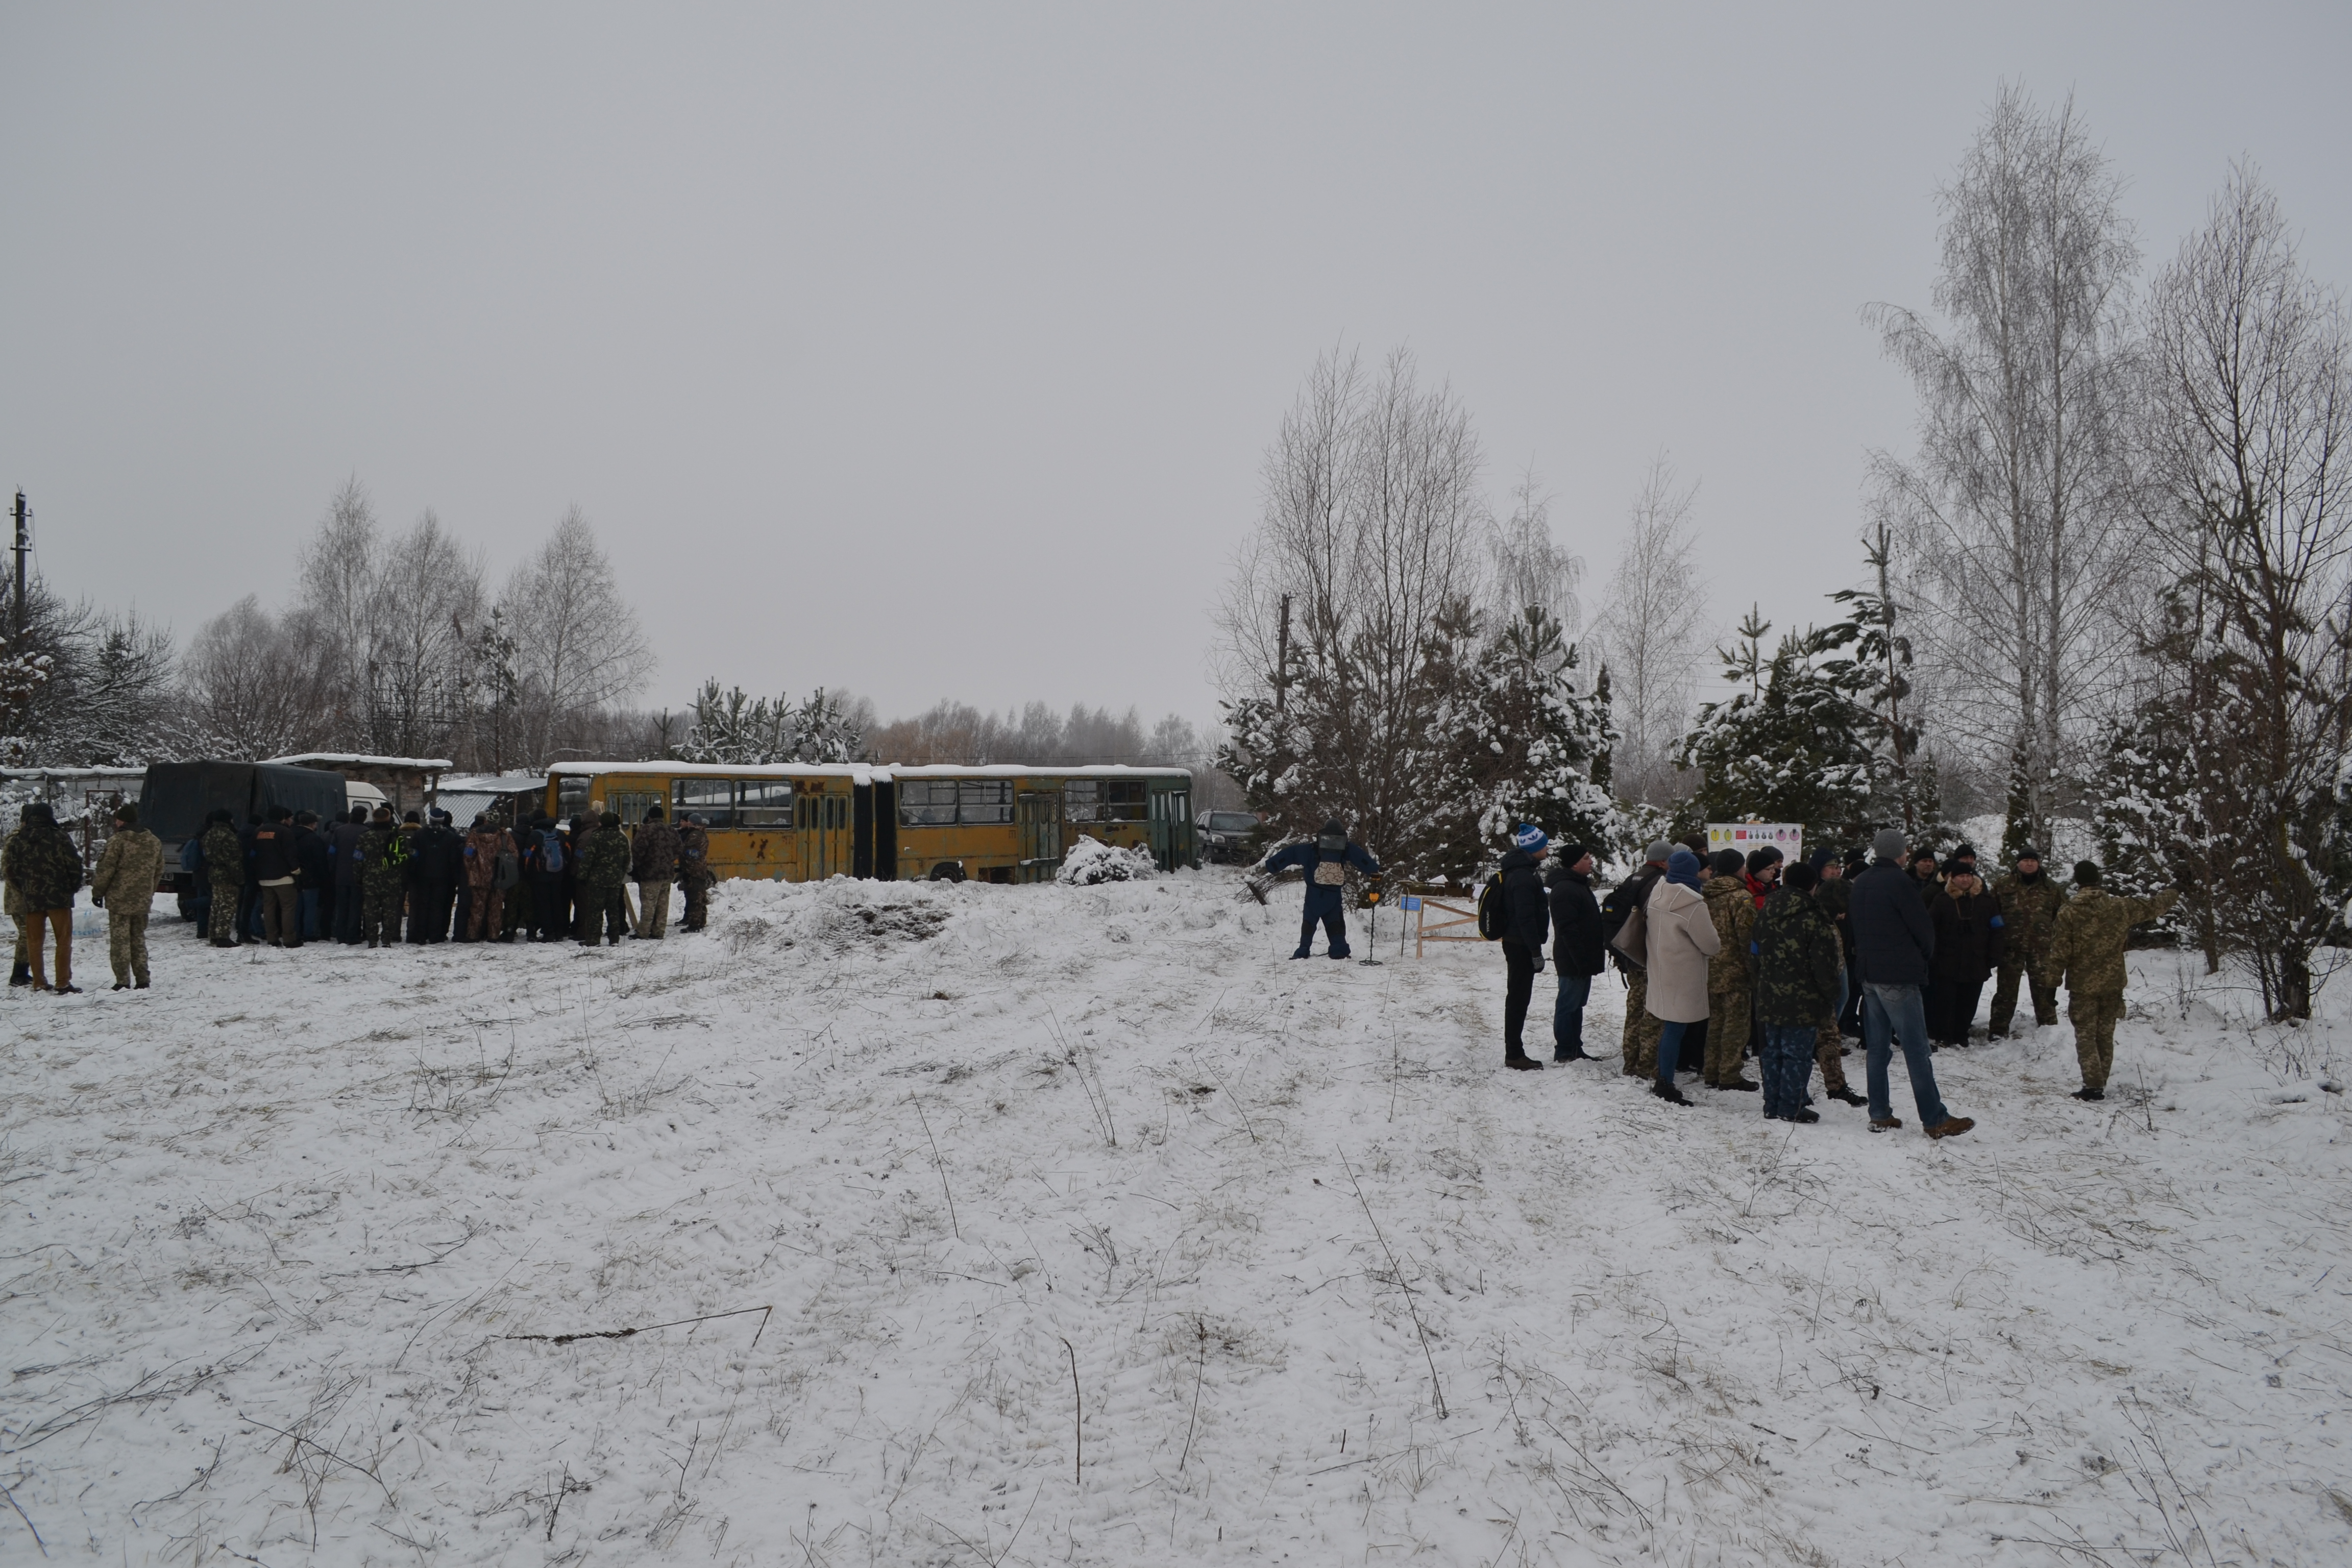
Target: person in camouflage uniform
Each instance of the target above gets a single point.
(1832, 893)
(1639, 1039)
(2087, 951)
(1797, 962)
(223, 852)
(124, 887)
(383, 880)
(604, 863)
(21, 971)
(43, 869)
(1731, 972)
(653, 865)
(694, 873)
(2030, 904)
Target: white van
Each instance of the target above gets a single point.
(355, 792)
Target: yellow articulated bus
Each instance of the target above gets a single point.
(805, 822)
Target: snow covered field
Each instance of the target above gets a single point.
(297, 1245)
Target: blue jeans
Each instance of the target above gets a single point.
(1670, 1047)
(1891, 1012)
(308, 903)
(1567, 1014)
(1788, 1067)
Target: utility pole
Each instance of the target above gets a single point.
(24, 542)
(1880, 553)
(1281, 656)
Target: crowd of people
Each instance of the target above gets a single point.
(1729, 958)
(364, 879)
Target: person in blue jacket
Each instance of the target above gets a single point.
(1325, 859)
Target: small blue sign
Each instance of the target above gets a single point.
(1411, 902)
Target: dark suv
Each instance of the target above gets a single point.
(1236, 837)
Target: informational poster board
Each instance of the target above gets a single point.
(1788, 838)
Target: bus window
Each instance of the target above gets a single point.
(571, 795)
(926, 803)
(631, 803)
(984, 800)
(1081, 801)
(713, 800)
(1123, 800)
(765, 803)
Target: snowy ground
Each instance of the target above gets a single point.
(292, 1245)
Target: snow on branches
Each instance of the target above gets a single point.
(732, 728)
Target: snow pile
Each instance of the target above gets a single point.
(1092, 862)
(1087, 1228)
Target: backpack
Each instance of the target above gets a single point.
(509, 871)
(1493, 919)
(551, 851)
(1623, 902)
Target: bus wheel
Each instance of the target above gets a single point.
(948, 871)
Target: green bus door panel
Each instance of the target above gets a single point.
(1038, 816)
(1171, 828)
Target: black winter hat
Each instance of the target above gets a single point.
(2028, 852)
(1801, 877)
(1727, 863)
(2086, 873)
(653, 814)
(1570, 854)
(127, 815)
(1818, 859)
(1335, 825)
(1760, 857)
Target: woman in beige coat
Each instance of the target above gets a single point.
(1681, 938)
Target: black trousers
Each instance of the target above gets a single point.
(551, 909)
(1519, 962)
(1335, 927)
(1951, 1006)
(349, 909)
(428, 910)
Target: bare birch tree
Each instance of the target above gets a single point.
(1373, 516)
(577, 643)
(1527, 566)
(1656, 633)
(2251, 427)
(2017, 505)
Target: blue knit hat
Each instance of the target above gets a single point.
(1531, 838)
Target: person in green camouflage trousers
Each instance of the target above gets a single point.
(21, 971)
(603, 868)
(224, 864)
(2030, 902)
(1731, 972)
(694, 873)
(383, 880)
(124, 887)
(1798, 961)
(2087, 951)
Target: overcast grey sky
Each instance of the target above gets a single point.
(930, 351)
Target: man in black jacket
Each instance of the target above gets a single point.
(440, 862)
(276, 866)
(343, 858)
(313, 878)
(1893, 942)
(1525, 924)
(1578, 950)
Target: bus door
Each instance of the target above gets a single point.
(1038, 816)
(825, 837)
(1172, 827)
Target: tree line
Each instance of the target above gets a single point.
(392, 644)
(2107, 589)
